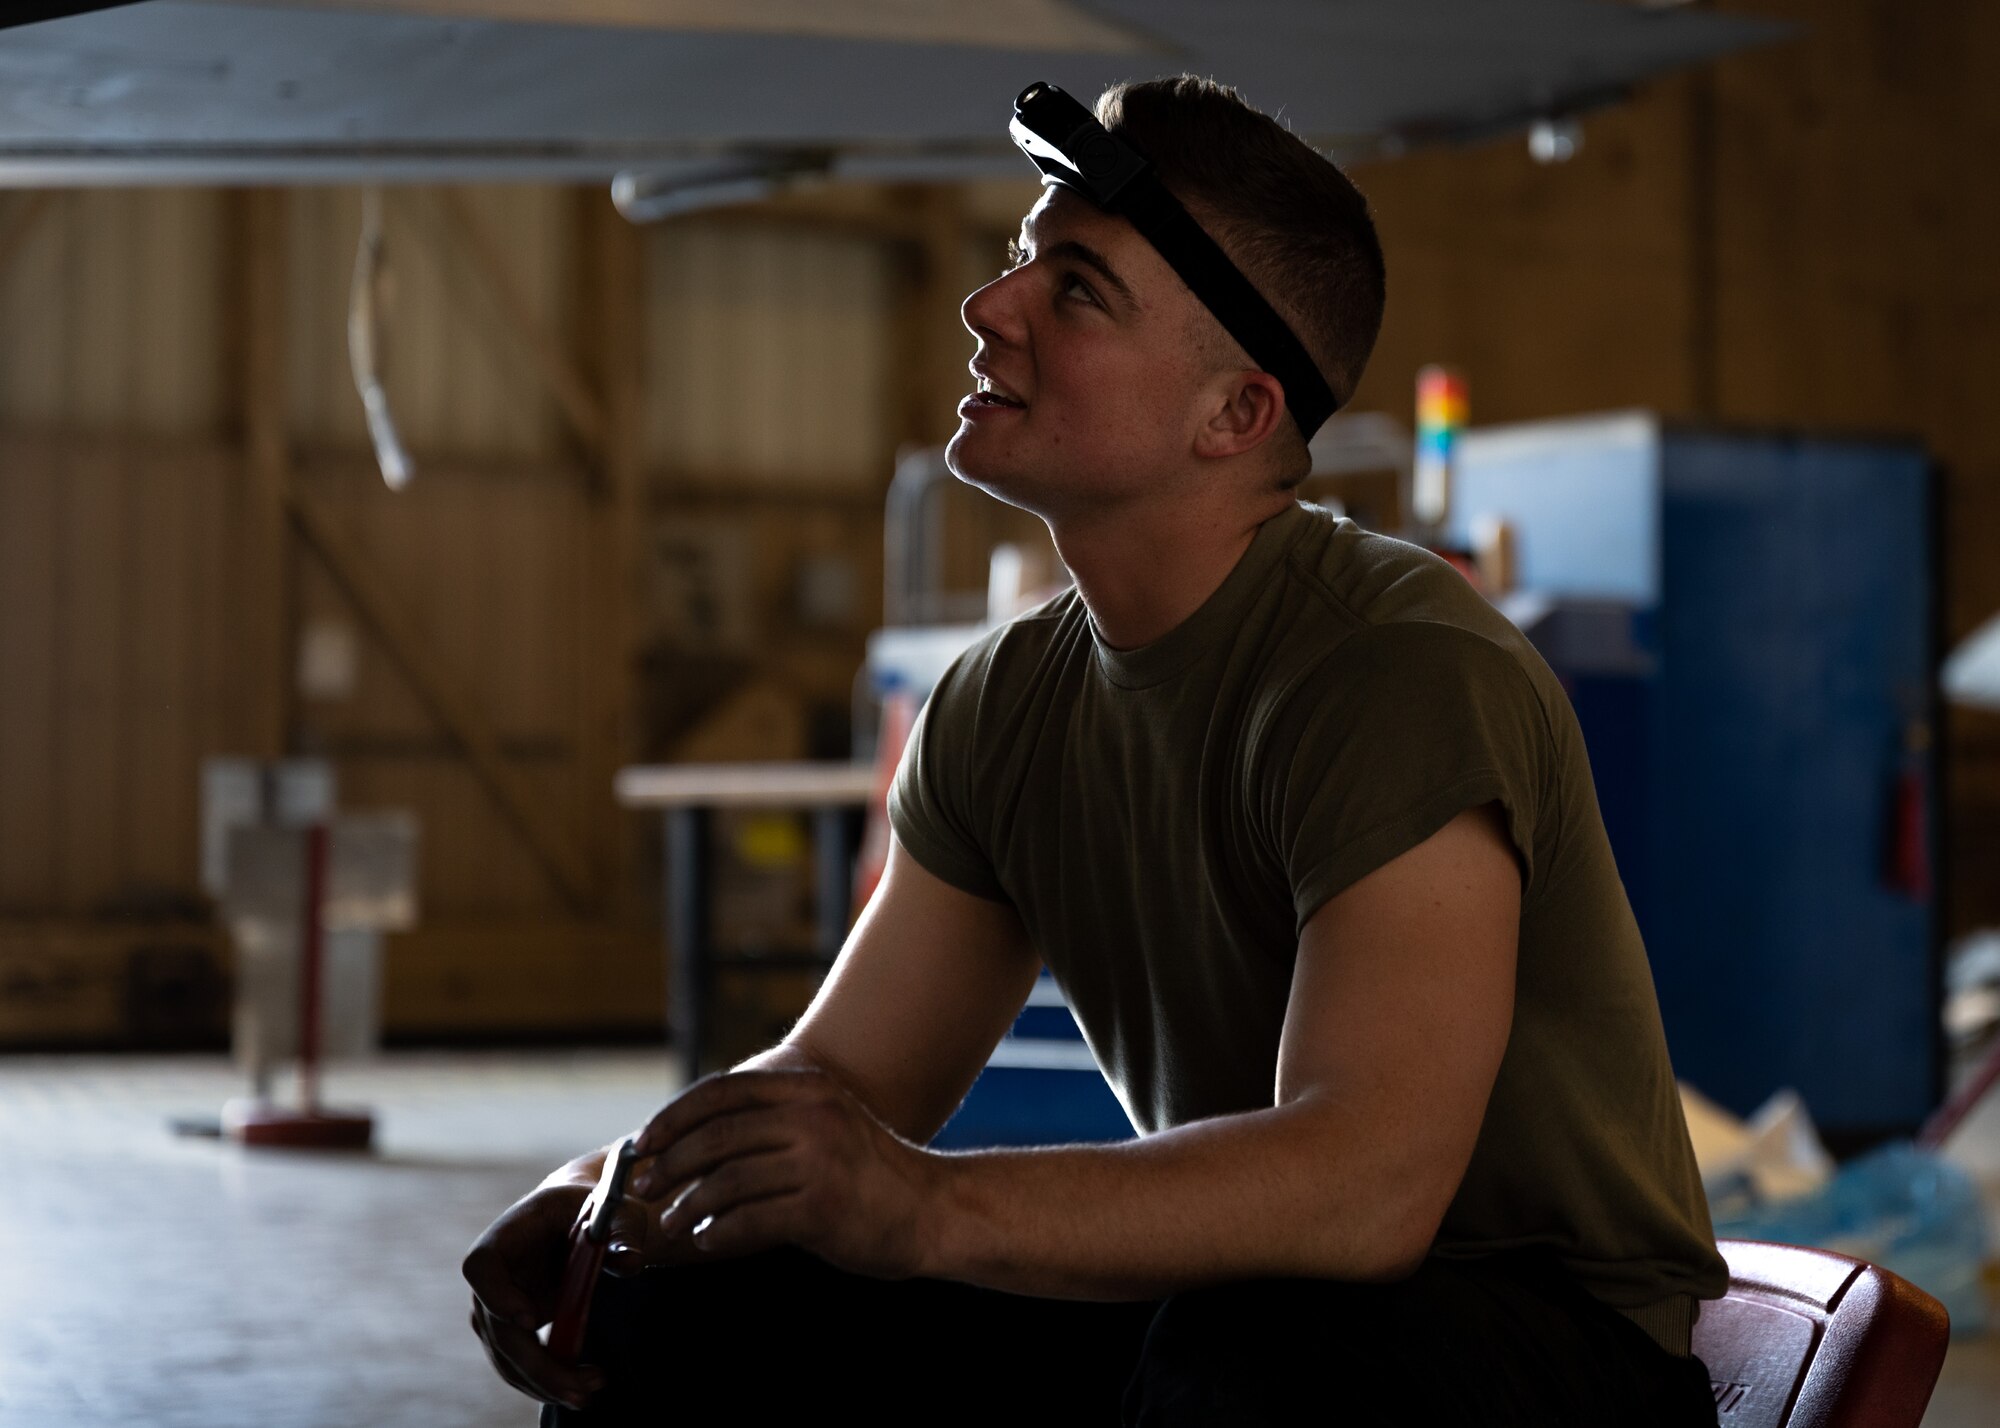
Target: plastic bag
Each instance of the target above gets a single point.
(1905, 1209)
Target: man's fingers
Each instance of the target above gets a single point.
(723, 1138)
(502, 1365)
(756, 1177)
(758, 1225)
(494, 1288)
(515, 1264)
(525, 1363)
(513, 1269)
(721, 1094)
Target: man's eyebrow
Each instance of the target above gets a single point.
(1088, 256)
(1094, 260)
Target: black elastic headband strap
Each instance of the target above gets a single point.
(1069, 146)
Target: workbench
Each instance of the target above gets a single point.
(688, 796)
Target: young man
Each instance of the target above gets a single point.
(1306, 832)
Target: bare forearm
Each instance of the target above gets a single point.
(788, 1055)
(1247, 1196)
(912, 1109)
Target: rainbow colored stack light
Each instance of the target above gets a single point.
(1441, 413)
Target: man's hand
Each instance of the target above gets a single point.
(785, 1157)
(515, 1270)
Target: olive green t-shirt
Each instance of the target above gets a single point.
(1166, 819)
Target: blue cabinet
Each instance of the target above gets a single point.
(1041, 1086)
(1752, 761)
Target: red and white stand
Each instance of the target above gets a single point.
(255, 1121)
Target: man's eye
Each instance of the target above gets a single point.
(1074, 286)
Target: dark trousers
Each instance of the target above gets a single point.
(782, 1338)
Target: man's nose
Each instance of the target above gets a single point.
(989, 311)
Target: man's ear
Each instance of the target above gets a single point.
(1248, 405)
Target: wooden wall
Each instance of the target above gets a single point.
(114, 668)
(115, 310)
(188, 507)
(487, 564)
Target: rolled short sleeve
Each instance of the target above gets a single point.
(931, 804)
(1400, 729)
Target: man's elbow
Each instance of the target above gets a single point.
(1395, 1262)
(1356, 1260)
(1379, 1225)
(1386, 1246)
(1391, 1257)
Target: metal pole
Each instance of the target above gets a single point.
(309, 968)
(688, 932)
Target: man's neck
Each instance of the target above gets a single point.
(1142, 573)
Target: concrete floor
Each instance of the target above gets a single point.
(149, 1279)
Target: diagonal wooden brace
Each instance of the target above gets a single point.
(443, 695)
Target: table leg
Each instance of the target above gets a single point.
(833, 876)
(688, 933)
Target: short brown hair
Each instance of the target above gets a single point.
(1295, 224)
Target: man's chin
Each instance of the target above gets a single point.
(987, 476)
(962, 459)
(954, 453)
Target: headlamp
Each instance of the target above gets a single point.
(1064, 140)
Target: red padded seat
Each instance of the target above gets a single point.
(1811, 1339)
